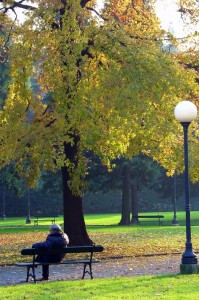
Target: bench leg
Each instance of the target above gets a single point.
(88, 272)
(29, 274)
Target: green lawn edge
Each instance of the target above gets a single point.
(144, 287)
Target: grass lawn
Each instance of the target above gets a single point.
(131, 241)
(171, 287)
(106, 219)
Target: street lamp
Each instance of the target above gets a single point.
(185, 112)
(4, 204)
(28, 219)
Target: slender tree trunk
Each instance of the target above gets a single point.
(74, 224)
(126, 195)
(4, 203)
(134, 201)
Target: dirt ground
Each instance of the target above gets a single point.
(138, 266)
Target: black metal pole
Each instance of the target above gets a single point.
(188, 257)
(175, 220)
(28, 220)
(4, 204)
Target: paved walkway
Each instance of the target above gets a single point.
(165, 264)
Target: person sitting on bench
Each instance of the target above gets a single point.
(56, 239)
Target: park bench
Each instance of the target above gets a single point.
(41, 219)
(159, 217)
(87, 262)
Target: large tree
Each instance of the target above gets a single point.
(105, 84)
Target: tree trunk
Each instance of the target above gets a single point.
(134, 201)
(126, 195)
(74, 224)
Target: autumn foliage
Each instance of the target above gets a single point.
(117, 244)
(109, 83)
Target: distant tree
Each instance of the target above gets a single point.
(12, 181)
(126, 194)
(4, 81)
(50, 183)
(129, 176)
(112, 90)
(99, 178)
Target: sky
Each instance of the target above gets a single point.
(170, 18)
(167, 12)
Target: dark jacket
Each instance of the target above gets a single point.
(54, 240)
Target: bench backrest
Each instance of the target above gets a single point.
(45, 216)
(72, 249)
(150, 216)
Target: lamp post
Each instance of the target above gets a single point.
(4, 204)
(185, 112)
(28, 219)
(175, 220)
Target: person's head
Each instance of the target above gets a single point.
(55, 228)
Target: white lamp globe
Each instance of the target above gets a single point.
(185, 111)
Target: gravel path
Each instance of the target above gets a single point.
(165, 264)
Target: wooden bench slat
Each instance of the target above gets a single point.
(64, 262)
(148, 217)
(38, 219)
(72, 249)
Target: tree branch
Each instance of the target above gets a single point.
(19, 4)
(99, 15)
(84, 2)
